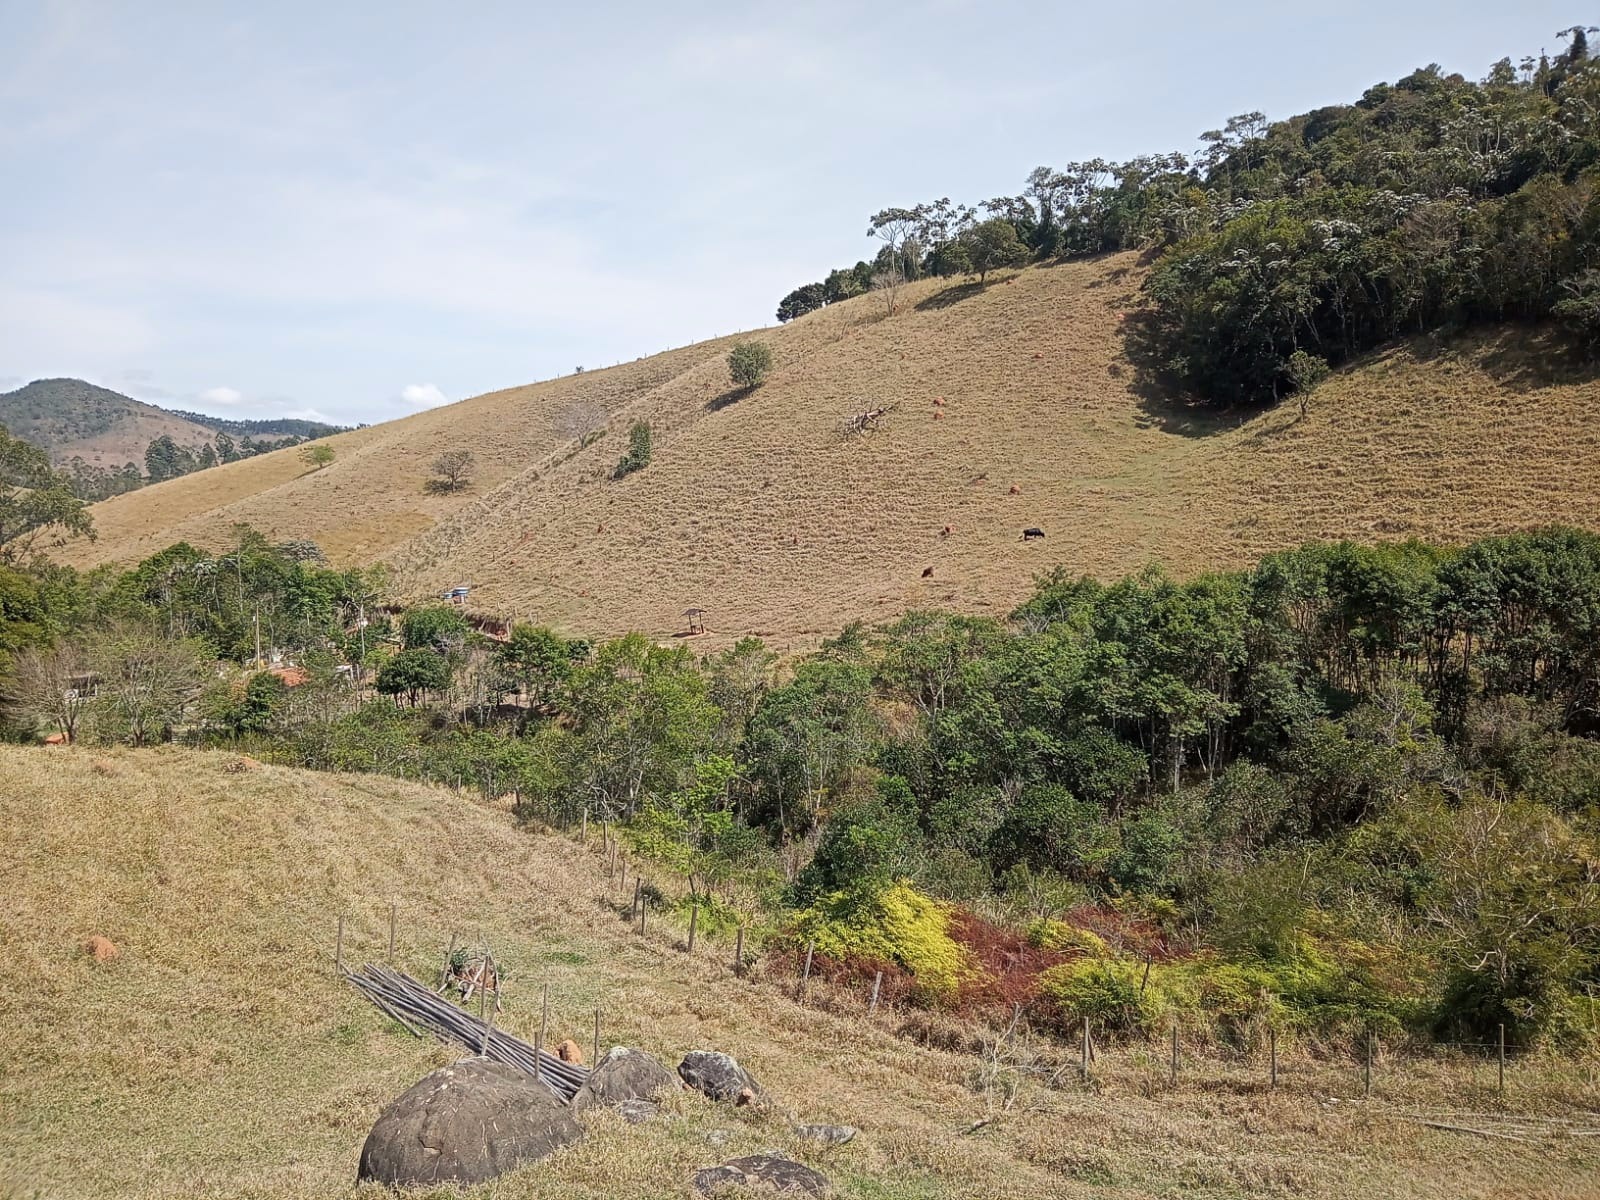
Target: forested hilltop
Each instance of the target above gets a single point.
(1285, 247)
(1353, 788)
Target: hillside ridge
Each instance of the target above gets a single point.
(1017, 406)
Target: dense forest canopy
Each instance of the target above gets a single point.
(1284, 247)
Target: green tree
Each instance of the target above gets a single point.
(414, 673)
(641, 720)
(538, 658)
(317, 455)
(804, 299)
(749, 364)
(438, 627)
(638, 456)
(990, 246)
(37, 504)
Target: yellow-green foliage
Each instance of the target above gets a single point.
(1058, 935)
(1312, 991)
(1108, 991)
(898, 925)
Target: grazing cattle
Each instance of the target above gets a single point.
(1030, 533)
(927, 572)
(947, 531)
(1014, 491)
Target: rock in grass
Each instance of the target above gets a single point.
(771, 1171)
(623, 1074)
(719, 1076)
(465, 1123)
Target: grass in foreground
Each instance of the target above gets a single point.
(219, 1057)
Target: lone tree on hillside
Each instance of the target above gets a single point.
(749, 364)
(452, 471)
(638, 456)
(580, 419)
(317, 455)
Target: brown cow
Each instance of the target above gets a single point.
(927, 572)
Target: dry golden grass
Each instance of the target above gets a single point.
(756, 509)
(218, 1057)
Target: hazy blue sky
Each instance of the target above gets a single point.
(357, 210)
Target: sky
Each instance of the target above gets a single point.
(355, 211)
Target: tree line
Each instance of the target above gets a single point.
(1357, 783)
(1283, 248)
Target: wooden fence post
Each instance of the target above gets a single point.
(877, 984)
(338, 948)
(805, 975)
(538, 1046)
(738, 952)
(1366, 1085)
(1174, 1053)
(1083, 1064)
(483, 991)
(583, 833)
(596, 1035)
(390, 959)
(449, 956)
(694, 920)
(633, 912)
(1272, 1035)
(1502, 1058)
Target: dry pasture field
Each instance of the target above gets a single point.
(218, 1056)
(1017, 406)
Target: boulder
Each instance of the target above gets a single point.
(637, 1112)
(623, 1074)
(465, 1123)
(101, 949)
(765, 1171)
(719, 1076)
(825, 1135)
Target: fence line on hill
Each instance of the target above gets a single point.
(1371, 1062)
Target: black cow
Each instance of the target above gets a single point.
(1029, 534)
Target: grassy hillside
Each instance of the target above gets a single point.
(217, 1056)
(1019, 407)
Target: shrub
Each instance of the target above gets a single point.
(750, 363)
(1058, 935)
(1106, 991)
(1305, 371)
(897, 925)
(638, 456)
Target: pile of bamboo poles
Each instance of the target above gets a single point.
(423, 1011)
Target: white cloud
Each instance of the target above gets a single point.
(423, 395)
(222, 395)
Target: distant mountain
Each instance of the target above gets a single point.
(281, 427)
(68, 418)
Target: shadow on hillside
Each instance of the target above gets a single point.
(732, 396)
(950, 296)
(1162, 403)
(1535, 356)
